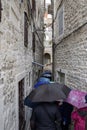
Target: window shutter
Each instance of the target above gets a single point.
(25, 29)
(60, 19)
(49, 9)
(33, 5)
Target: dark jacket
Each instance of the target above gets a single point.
(65, 110)
(41, 120)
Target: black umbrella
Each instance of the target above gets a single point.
(47, 93)
(66, 90)
(63, 87)
(29, 103)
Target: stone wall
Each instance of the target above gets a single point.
(16, 61)
(39, 35)
(71, 48)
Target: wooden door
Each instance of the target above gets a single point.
(21, 105)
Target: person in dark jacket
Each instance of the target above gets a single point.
(44, 117)
(65, 110)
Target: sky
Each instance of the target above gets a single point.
(48, 1)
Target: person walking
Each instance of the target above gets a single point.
(46, 116)
(65, 110)
(79, 116)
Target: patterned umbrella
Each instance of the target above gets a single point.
(77, 98)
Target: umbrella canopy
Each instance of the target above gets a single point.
(29, 103)
(63, 87)
(66, 90)
(77, 98)
(47, 93)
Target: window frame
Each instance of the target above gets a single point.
(61, 9)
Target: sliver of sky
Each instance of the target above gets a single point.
(48, 1)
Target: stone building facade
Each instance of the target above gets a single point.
(16, 56)
(70, 43)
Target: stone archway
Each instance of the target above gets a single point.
(47, 58)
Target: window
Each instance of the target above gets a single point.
(33, 5)
(49, 9)
(61, 21)
(47, 58)
(25, 29)
(61, 77)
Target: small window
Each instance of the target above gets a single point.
(25, 29)
(49, 9)
(47, 58)
(61, 21)
(61, 77)
(33, 5)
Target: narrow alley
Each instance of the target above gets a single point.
(42, 42)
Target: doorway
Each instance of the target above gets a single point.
(21, 105)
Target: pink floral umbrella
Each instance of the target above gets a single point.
(77, 98)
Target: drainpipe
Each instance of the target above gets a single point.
(52, 3)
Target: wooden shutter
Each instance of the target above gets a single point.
(60, 19)
(25, 29)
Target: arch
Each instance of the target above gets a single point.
(47, 58)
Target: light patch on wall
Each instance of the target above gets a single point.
(14, 14)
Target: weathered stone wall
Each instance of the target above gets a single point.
(15, 61)
(71, 47)
(39, 35)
